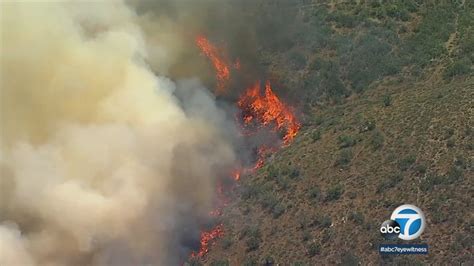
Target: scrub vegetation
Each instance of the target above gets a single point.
(386, 95)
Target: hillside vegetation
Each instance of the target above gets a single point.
(387, 105)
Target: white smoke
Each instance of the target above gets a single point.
(100, 163)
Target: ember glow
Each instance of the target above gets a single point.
(207, 239)
(220, 65)
(262, 153)
(267, 109)
(236, 175)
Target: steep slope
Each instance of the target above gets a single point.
(323, 198)
(386, 97)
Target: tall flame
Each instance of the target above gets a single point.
(257, 109)
(222, 69)
(267, 109)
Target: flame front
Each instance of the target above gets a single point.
(266, 109)
(257, 109)
(207, 238)
(222, 69)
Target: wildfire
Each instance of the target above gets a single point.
(207, 238)
(222, 69)
(267, 109)
(257, 109)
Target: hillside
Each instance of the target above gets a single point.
(323, 198)
(387, 104)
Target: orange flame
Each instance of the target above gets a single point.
(222, 69)
(207, 240)
(268, 109)
(236, 175)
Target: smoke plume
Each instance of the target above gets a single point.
(103, 162)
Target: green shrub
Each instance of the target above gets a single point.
(298, 60)
(448, 132)
(420, 168)
(327, 235)
(323, 221)
(298, 263)
(389, 182)
(293, 172)
(454, 174)
(249, 191)
(318, 120)
(346, 141)
(327, 77)
(268, 261)
(349, 259)
(252, 243)
(450, 143)
(459, 67)
(343, 20)
(377, 140)
(387, 100)
(306, 235)
(250, 231)
(268, 200)
(357, 217)
(430, 182)
(283, 182)
(460, 161)
(314, 249)
(368, 125)
(334, 192)
(368, 59)
(315, 135)
(250, 261)
(227, 242)
(439, 216)
(278, 210)
(430, 36)
(466, 240)
(405, 163)
(194, 262)
(272, 171)
(314, 193)
(398, 12)
(303, 221)
(220, 263)
(345, 157)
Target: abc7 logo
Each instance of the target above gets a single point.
(390, 229)
(407, 222)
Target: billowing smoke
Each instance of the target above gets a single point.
(103, 162)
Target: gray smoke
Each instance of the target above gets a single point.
(103, 162)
